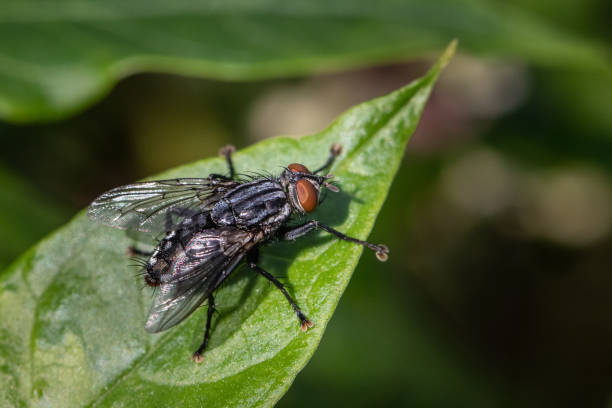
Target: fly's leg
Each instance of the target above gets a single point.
(382, 252)
(226, 151)
(252, 256)
(334, 152)
(133, 251)
(304, 322)
(197, 356)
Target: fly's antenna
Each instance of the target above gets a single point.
(334, 151)
(323, 180)
(331, 187)
(328, 185)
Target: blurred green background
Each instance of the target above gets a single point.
(498, 290)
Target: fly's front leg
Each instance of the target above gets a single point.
(226, 151)
(382, 252)
(252, 256)
(197, 356)
(334, 152)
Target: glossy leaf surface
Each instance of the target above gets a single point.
(72, 310)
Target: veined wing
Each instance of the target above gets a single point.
(207, 260)
(157, 206)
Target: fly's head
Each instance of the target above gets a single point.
(304, 188)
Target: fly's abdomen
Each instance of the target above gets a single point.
(259, 203)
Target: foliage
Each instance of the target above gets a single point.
(81, 309)
(56, 58)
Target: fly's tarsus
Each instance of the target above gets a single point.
(197, 355)
(305, 324)
(382, 253)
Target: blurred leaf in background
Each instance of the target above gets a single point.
(500, 295)
(58, 57)
(25, 216)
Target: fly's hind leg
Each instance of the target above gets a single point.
(252, 257)
(197, 356)
(226, 151)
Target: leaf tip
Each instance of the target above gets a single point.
(447, 55)
(442, 61)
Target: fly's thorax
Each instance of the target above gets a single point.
(258, 204)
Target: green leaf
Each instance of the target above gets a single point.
(58, 57)
(25, 216)
(72, 310)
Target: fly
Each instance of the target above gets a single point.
(210, 225)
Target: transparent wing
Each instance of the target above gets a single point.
(157, 206)
(195, 273)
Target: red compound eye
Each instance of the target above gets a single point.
(307, 195)
(298, 168)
